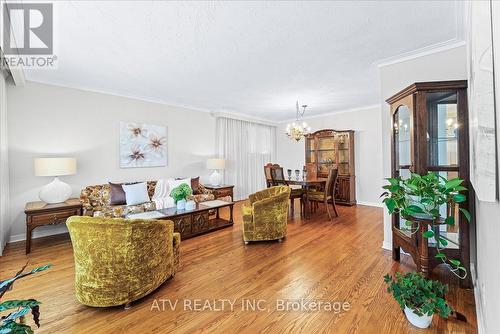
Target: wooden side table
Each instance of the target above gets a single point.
(222, 190)
(41, 214)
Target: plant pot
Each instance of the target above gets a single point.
(181, 204)
(418, 321)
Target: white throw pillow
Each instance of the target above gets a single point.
(175, 183)
(136, 193)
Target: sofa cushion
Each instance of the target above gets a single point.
(136, 193)
(116, 194)
(195, 185)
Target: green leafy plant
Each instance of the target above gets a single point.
(181, 192)
(420, 196)
(418, 293)
(15, 322)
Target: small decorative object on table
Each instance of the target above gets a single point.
(15, 321)
(304, 174)
(215, 164)
(56, 191)
(419, 297)
(297, 174)
(289, 172)
(179, 194)
(190, 205)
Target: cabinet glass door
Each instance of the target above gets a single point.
(402, 137)
(310, 150)
(343, 148)
(326, 154)
(402, 150)
(442, 129)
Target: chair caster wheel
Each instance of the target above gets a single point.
(280, 240)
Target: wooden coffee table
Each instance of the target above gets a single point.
(190, 223)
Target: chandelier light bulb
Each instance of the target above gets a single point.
(297, 130)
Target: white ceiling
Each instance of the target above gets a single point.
(251, 58)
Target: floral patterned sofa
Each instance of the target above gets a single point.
(95, 201)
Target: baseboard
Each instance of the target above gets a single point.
(379, 205)
(387, 245)
(478, 298)
(42, 232)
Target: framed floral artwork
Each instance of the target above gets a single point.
(142, 145)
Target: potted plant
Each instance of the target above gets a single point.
(420, 298)
(180, 193)
(15, 321)
(421, 196)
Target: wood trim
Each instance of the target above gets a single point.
(427, 86)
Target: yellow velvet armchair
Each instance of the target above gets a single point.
(265, 214)
(118, 261)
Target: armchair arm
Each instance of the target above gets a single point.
(247, 212)
(176, 248)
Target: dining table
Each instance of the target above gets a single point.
(307, 183)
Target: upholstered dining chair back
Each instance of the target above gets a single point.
(278, 176)
(331, 182)
(267, 174)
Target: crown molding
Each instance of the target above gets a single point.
(243, 117)
(425, 51)
(127, 96)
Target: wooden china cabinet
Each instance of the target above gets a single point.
(328, 148)
(430, 134)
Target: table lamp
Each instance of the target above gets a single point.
(216, 165)
(56, 191)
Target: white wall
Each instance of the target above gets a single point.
(488, 223)
(368, 151)
(445, 65)
(47, 120)
(4, 164)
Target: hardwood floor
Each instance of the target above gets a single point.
(339, 261)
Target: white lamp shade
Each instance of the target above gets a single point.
(215, 164)
(55, 166)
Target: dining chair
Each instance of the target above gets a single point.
(327, 195)
(278, 179)
(267, 174)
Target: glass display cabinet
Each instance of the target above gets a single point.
(430, 133)
(326, 149)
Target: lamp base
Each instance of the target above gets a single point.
(55, 192)
(215, 178)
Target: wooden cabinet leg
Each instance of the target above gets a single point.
(396, 253)
(29, 231)
(424, 251)
(231, 214)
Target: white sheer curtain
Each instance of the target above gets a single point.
(246, 147)
(4, 164)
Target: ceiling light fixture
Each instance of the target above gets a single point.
(298, 130)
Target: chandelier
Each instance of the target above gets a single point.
(298, 130)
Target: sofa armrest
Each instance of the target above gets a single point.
(204, 190)
(176, 249)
